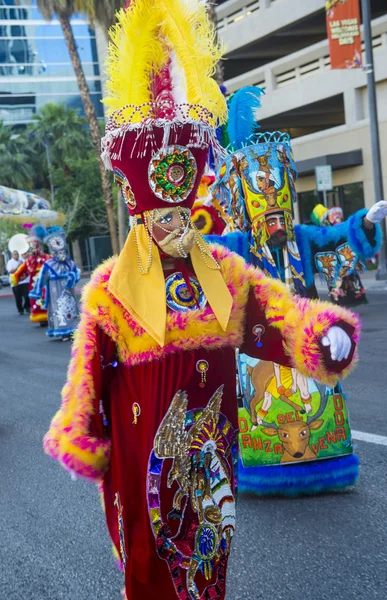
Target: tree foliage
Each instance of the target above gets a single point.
(15, 163)
(78, 193)
(58, 145)
(8, 228)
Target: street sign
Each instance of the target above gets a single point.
(323, 178)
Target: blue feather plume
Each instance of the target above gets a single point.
(39, 231)
(241, 115)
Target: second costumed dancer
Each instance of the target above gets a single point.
(295, 437)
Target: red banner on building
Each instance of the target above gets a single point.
(343, 25)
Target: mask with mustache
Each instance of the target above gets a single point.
(178, 242)
(277, 239)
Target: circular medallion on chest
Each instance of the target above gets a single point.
(182, 297)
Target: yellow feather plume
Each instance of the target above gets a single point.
(141, 43)
(189, 33)
(135, 52)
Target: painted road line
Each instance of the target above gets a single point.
(362, 436)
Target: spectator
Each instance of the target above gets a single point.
(20, 290)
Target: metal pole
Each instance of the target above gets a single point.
(325, 198)
(374, 129)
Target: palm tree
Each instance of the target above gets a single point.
(63, 129)
(101, 10)
(58, 133)
(15, 165)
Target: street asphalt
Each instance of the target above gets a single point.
(53, 541)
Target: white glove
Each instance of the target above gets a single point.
(377, 212)
(339, 341)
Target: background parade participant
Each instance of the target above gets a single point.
(31, 267)
(257, 181)
(57, 278)
(18, 247)
(343, 280)
(150, 404)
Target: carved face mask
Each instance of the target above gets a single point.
(172, 230)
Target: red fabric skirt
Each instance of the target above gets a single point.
(170, 490)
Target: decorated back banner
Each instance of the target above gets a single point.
(343, 25)
(287, 418)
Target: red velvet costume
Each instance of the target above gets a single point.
(31, 268)
(150, 408)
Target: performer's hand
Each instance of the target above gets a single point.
(376, 213)
(339, 342)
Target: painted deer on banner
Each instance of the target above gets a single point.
(295, 437)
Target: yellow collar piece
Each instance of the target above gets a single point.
(144, 296)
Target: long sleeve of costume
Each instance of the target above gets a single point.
(236, 241)
(41, 282)
(363, 242)
(77, 437)
(17, 275)
(74, 274)
(302, 324)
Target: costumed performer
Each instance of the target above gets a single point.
(258, 182)
(57, 280)
(342, 278)
(31, 267)
(149, 408)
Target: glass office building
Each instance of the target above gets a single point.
(35, 66)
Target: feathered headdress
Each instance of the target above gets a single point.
(164, 108)
(162, 95)
(258, 177)
(242, 116)
(37, 234)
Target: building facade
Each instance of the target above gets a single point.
(282, 46)
(35, 66)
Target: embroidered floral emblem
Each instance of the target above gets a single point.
(179, 296)
(126, 190)
(172, 172)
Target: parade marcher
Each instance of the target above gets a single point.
(257, 181)
(342, 278)
(149, 408)
(31, 267)
(20, 290)
(58, 278)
